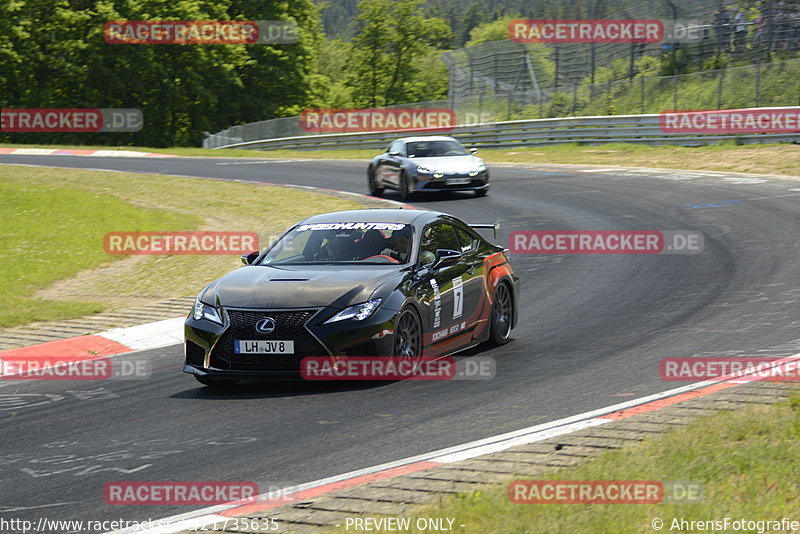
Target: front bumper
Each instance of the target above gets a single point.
(209, 347)
(427, 182)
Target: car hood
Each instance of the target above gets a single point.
(298, 287)
(449, 163)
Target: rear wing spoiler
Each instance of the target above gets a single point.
(487, 226)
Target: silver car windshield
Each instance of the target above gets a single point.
(435, 149)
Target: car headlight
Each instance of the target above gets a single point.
(359, 312)
(482, 167)
(205, 311)
(424, 170)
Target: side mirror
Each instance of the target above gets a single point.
(446, 257)
(473, 151)
(248, 259)
(395, 154)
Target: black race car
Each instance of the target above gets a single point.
(377, 282)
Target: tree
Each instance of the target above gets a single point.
(53, 54)
(393, 34)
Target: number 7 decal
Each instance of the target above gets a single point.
(458, 297)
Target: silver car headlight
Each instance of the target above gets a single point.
(206, 311)
(482, 167)
(424, 170)
(358, 312)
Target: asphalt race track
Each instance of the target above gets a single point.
(591, 333)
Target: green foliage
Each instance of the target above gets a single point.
(675, 62)
(382, 65)
(328, 86)
(778, 86)
(539, 53)
(720, 60)
(496, 30)
(53, 55)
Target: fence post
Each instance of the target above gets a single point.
(675, 95)
(574, 98)
(719, 88)
(758, 82)
(642, 96)
(555, 52)
(770, 27)
(541, 104)
(630, 65)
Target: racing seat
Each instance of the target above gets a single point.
(371, 244)
(341, 248)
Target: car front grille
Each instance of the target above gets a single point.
(289, 325)
(442, 184)
(195, 354)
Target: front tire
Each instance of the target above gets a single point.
(405, 193)
(215, 382)
(502, 316)
(408, 336)
(372, 183)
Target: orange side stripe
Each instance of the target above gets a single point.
(327, 488)
(77, 347)
(655, 405)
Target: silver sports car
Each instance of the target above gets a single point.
(428, 163)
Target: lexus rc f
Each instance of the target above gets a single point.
(377, 282)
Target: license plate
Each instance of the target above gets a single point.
(261, 346)
(458, 181)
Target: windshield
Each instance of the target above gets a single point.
(435, 149)
(342, 243)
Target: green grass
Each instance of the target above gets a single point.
(50, 233)
(51, 241)
(177, 151)
(779, 159)
(747, 462)
(778, 86)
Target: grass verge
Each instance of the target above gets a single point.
(176, 151)
(51, 242)
(779, 159)
(746, 461)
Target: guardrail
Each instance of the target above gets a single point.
(585, 130)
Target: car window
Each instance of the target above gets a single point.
(290, 247)
(467, 242)
(342, 242)
(435, 149)
(396, 146)
(437, 236)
